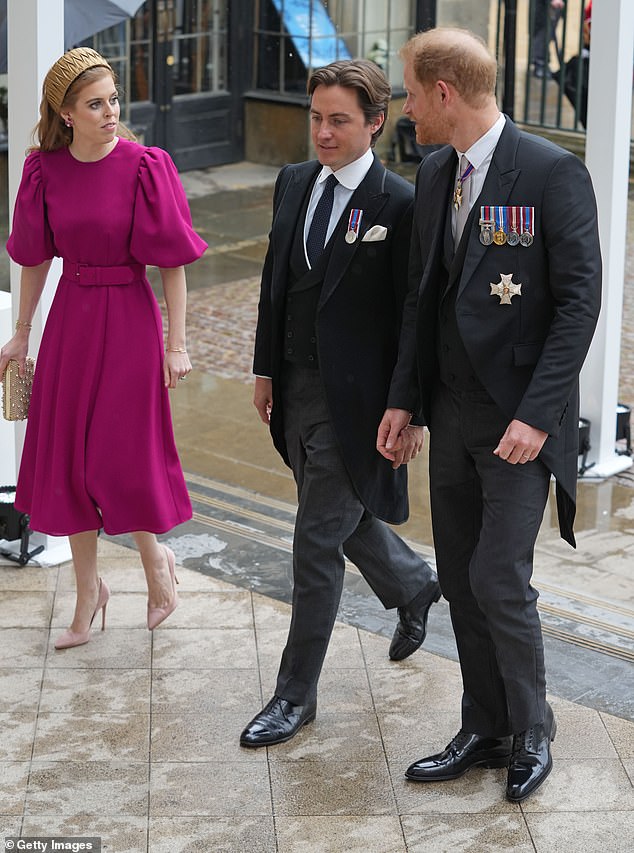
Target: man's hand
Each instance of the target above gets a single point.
(263, 398)
(520, 443)
(396, 440)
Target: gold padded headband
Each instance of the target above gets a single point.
(66, 70)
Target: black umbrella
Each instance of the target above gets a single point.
(82, 18)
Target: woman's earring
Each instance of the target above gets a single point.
(68, 122)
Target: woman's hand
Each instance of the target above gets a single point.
(16, 349)
(176, 365)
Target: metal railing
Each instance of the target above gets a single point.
(544, 55)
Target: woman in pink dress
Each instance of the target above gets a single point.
(99, 449)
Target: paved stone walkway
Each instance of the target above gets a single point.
(134, 737)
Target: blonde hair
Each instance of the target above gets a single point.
(458, 57)
(72, 72)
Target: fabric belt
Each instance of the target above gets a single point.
(85, 274)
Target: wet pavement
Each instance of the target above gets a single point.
(133, 737)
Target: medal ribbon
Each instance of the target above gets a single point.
(457, 193)
(500, 218)
(528, 216)
(354, 222)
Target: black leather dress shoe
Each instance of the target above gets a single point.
(277, 722)
(464, 752)
(412, 622)
(531, 761)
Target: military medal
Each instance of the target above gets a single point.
(486, 233)
(513, 237)
(457, 193)
(527, 216)
(499, 235)
(506, 289)
(486, 225)
(354, 223)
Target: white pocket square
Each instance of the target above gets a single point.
(377, 232)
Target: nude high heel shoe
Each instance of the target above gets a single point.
(156, 615)
(69, 638)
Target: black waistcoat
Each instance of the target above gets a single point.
(455, 367)
(303, 290)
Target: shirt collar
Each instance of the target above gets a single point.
(483, 148)
(352, 174)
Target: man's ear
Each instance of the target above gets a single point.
(377, 122)
(443, 90)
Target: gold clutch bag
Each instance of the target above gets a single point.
(16, 391)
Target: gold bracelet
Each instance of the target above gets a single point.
(19, 323)
(175, 349)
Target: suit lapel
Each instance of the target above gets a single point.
(498, 184)
(368, 197)
(436, 243)
(287, 217)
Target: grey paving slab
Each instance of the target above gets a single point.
(88, 788)
(333, 832)
(331, 788)
(212, 789)
(93, 738)
(83, 692)
(200, 737)
(118, 833)
(14, 776)
(20, 689)
(249, 834)
(582, 832)
(449, 833)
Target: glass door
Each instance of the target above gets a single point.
(183, 91)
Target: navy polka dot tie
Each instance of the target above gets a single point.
(319, 226)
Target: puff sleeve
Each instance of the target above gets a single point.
(162, 232)
(31, 241)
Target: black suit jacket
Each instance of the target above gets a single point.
(528, 354)
(358, 322)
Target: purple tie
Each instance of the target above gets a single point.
(321, 217)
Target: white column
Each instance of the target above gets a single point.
(35, 39)
(608, 159)
(8, 470)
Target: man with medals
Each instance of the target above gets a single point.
(496, 326)
(333, 285)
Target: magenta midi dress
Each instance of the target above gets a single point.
(99, 448)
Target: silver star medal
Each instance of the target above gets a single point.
(506, 289)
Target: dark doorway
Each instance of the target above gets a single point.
(185, 81)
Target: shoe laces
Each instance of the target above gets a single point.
(458, 742)
(525, 742)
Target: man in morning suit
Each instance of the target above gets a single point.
(333, 286)
(505, 252)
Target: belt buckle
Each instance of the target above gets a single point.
(78, 270)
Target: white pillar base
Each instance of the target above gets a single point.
(607, 467)
(56, 550)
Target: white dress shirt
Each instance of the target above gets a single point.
(480, 155)
(349, 178)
